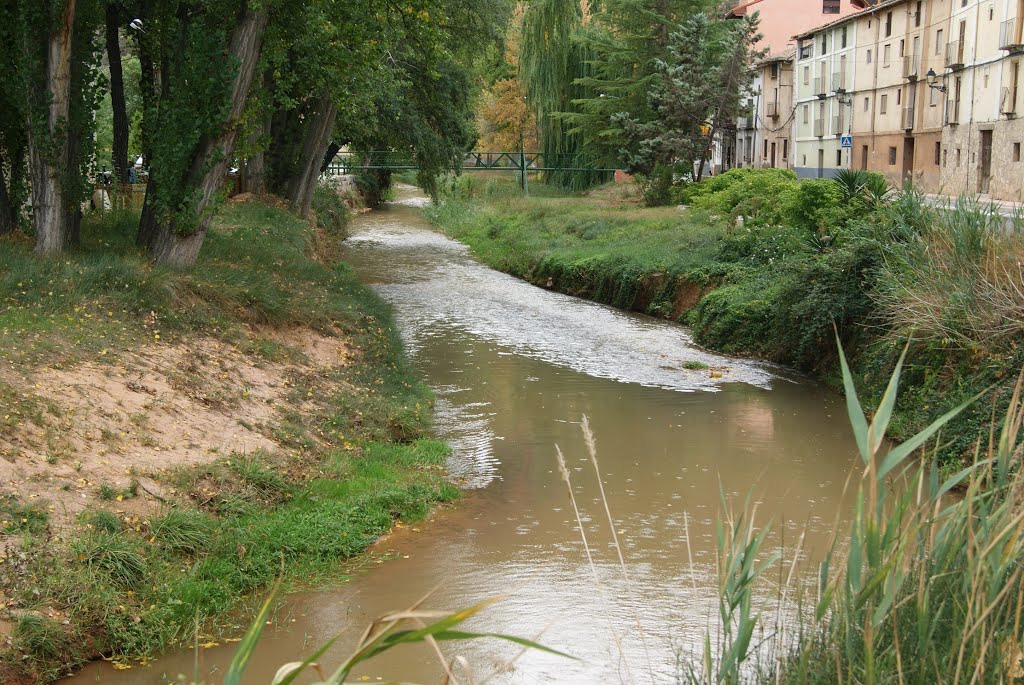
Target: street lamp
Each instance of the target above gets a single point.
(932, 77)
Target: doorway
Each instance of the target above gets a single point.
(821, 163)
(908, 159)
(986, 162)
(772, 158)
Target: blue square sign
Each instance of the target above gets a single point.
(846, 141)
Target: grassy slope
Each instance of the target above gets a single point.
(129, 588)
(779, 304)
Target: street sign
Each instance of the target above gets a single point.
(846, 141)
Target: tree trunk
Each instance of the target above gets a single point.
(48, 156)
(332, 152)
(252, 173)
(120, 149)
(314, 144)
(174, 247)
(8, 213)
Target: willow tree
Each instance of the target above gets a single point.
(554, 62)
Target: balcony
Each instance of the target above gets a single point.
(838, 125)
(747, 156)
(819, 86)
(1010, 35)
(955, 55)
(952, 113)
(819, 127)
(1008, 103)
(838, 81)
(908, 118)
(911, 64)
(772, 109)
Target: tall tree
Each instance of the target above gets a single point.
(48, 93)
(205, 73)
(119, 155)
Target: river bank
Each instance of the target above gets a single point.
(174, 441)
(761, 266)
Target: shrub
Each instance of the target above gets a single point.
(332, 214)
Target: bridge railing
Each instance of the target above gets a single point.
(349, 162)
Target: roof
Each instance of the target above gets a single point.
(866, 8)
(741, 9)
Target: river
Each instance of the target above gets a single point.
(515, 368)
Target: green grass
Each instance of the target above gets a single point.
(352, 463)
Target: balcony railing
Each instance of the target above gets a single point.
(953, 112)
(1007, 102)
(838, 125)
(819, 127)
(955, 55)
(908, 118)
(910, 66)
(838, 80)
(819, 86)
(1010, 35)
(772, 109)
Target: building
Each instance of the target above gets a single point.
(763, 138)
(926, 91)
(982, 136)
(825, 70)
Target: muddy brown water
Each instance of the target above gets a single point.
(514, 368)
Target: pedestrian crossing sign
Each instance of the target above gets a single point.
(846, 141)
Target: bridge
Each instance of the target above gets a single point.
(349, 162)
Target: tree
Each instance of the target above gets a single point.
(208, 54)
(119, 153)
(700, 86)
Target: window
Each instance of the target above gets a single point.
(806, 49)
(774, 70)
(938, 42)
(785, 148)
(842, 38)
(932, 97)
(888, 24)
(938, 153)
(892, 156)
(1016, 152)
(830, 6)
(903, 48)
(899, 95)
(863, 156)
(917, 14)
(1014, 86)
(883, 104)
(958, 156)
(867, 104)
(839, 157)
(765, 153)
(945, 157)
(807, 75)
(886, 54)
(806, 113)
(868, 60)
(990, 13)
(824, 43)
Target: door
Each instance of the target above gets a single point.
(908, 159)
(864, 157)
(986, 162)
(772, 158)
(821, 163)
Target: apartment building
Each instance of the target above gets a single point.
(825, 71)
(927, 91)
(763, 137)
(980, 80)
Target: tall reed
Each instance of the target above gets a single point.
(924, 586)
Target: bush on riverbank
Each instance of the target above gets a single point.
(133, 574)
(761, 264)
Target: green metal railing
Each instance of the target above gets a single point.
(348, 162)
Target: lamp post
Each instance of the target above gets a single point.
(932, 78)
